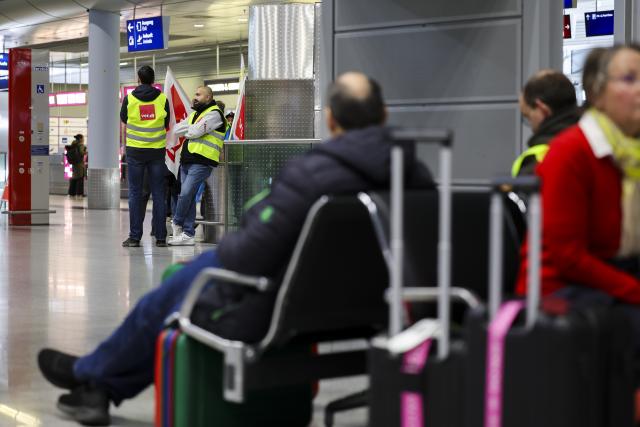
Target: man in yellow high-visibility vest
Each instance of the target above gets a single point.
(204, 131)
(548, 104)
(145, 113)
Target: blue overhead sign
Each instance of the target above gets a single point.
(4, 71)
(598, 23)
(147, 34)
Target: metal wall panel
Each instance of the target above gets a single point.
(278, 109)
(352, 14)
(485, 136)
(439, 63)
(282, 41)
(442, 63)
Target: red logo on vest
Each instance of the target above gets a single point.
(147, 112)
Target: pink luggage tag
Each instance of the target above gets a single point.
(497, 332)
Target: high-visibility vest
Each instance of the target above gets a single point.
(539, 151)
(208, 145)
(145, 122)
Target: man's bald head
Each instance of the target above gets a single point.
(208, 92)
(203, 96)
(355, 101)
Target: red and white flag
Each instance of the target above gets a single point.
(180, 109)
(238, 125)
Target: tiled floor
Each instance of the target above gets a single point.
(67, 285)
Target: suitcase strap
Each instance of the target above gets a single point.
(498, 329)
(413, 362)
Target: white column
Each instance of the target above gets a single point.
(104, 122)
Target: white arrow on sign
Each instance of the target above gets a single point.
(129, 27)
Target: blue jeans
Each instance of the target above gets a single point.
(137, 206)
(123, 364)
(191, 177)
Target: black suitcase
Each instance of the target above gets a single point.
(538, 369)
(420, 384)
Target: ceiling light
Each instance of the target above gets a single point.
(122, 64)
(243, 20)
(198, 25)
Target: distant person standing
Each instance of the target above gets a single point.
(145, 112)
(75, 156)
(204, 131)
(230, 115)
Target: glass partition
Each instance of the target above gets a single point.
(250, 167)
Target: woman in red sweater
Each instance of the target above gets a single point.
(591, 192)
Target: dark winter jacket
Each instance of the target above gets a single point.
(355, 161)
(145, 93)
(549, 128)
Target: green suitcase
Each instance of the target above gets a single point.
(198, 399)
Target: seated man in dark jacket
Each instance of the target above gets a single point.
(355, 159)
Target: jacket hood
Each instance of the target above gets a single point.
(368, 151)
(146, 93)
(553, 125)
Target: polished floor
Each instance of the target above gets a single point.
(67, 285)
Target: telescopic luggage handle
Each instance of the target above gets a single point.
(444, 138)
(529, 185)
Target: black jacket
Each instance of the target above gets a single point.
(355, 161)
(145, 93)
(549, 128)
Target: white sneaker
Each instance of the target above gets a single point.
(176, 230)
(182, 239)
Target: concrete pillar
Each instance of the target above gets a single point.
(104, 122)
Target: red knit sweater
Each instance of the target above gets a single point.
(582, 214)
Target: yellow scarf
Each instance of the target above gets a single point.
(626, 153)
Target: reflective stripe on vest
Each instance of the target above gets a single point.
(208, 145)
(539, 151)
(145, 122)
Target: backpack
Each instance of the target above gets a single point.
(73, 155)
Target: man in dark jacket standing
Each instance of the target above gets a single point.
(355, 159)
(145, 113)
(548, 103)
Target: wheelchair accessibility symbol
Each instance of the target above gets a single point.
(39, 88)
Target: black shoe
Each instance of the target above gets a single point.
(131, 243)
(57, 368)
(161, 243)
(87, 405)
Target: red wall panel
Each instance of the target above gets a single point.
(20, 134)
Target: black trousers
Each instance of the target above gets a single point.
(76, 186)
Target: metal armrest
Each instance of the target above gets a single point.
(430, 294)
(233, 350)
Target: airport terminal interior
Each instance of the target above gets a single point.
(67, 280)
